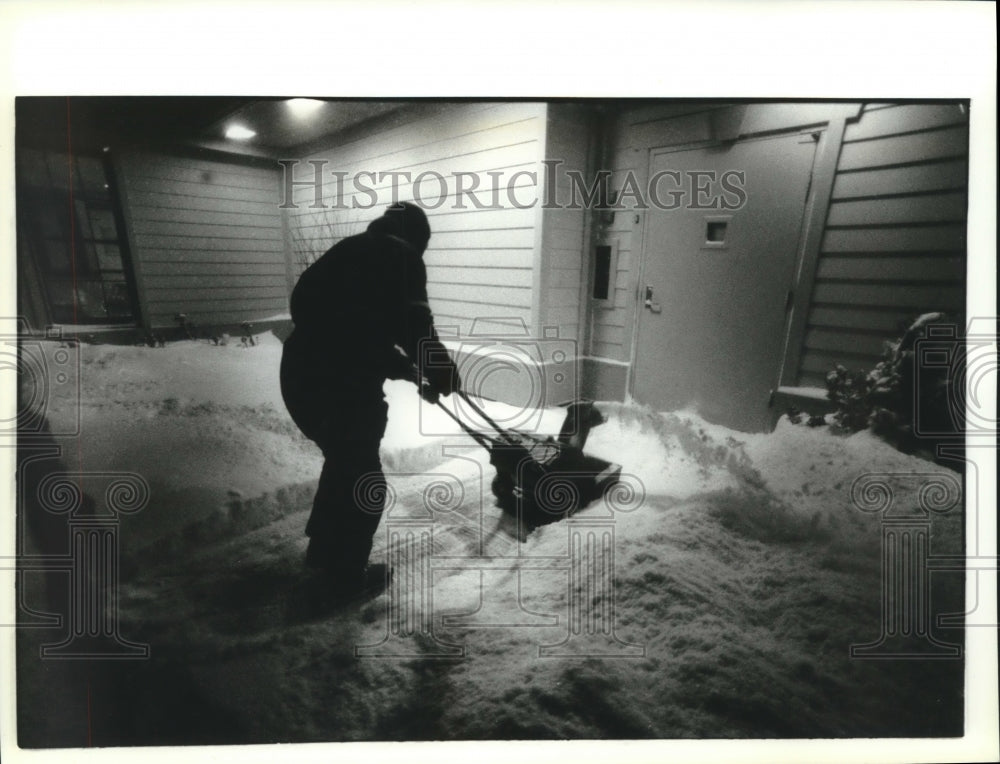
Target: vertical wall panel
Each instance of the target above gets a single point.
(565, 261)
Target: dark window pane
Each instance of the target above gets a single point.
(51, 217)
(90, 177)
(86, 259)
(74, 237)
(56, 254)
(116, 299)
(59, 171)
(715, 232)
(82, 219)
(109, 258)
(90, 300)
(61, 299)
(102, 224)
(32, 169)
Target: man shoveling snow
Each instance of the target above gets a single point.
(352, 308)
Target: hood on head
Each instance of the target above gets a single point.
(405, 220)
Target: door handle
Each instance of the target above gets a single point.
(654, 307)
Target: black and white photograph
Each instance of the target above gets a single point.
(344, 416)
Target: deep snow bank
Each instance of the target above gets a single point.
(720, 597)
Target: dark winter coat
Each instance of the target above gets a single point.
(352, 308)
(367, 294)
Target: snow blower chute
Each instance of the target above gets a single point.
(542, 480)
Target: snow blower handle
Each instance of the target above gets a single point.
(423, 388)
(483, 414)
(481, 439)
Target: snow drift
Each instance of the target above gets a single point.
(741, 573)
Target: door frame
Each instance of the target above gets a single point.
(810, 238)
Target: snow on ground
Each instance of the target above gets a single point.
(742, 573)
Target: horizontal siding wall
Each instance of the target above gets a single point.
(480, 262)
(894, 242)
(206, 238)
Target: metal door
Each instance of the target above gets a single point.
(717, 275)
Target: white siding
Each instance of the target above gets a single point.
(894, 243)
(206, 238)
(480, 261)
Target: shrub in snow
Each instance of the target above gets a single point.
(887, 398)
(849, 391)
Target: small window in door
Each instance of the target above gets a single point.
(716, 233)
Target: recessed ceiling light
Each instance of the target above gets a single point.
(239, 133)
(303, 107)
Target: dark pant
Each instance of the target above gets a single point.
(345, 415)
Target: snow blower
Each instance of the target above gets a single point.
(542, 480)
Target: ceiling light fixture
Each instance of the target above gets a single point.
(239, 133)
(304, 107)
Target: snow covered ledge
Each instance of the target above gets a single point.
(811, 400)
(131, 333)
